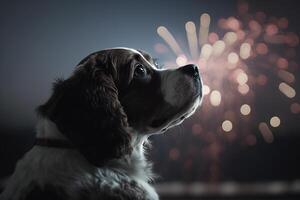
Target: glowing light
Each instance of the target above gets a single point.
(245, 51)
(242, 78)
(206, 51)
(286, 76)
(271, 29)
(262, 49)
(275, 121)
(181, 60)
(255, 27)
(190, 27)
(240, 34)
(249, 41)
(215, 98)
(282, 63)
(245, 109)
(233, 23)
(243, 89)
(295, 108)
(233, 58)
(204, 28)
(169, 39)
(218, 47)
(192, 38)
(205, 20)
(245, 44)
(206, 89)
(227, 126)
(266, 132)
(213, 37)
(230, 38)
(287, 90)
(202, 63)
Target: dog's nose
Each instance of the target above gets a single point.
(191, 70)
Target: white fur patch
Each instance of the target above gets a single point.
(47, 129)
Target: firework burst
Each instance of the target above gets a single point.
(249, 57)
(243, 55)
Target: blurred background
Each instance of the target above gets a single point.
(243, 142)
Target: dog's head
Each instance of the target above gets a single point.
(118, 92)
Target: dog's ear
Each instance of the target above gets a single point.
(86, 109)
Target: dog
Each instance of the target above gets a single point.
(92, 131)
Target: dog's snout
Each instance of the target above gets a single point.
(191, 70)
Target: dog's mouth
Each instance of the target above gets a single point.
(169, 121)
(158, 122)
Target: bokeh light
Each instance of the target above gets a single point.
(237, 62)
(275, 121)
(205, 89)
(233, 58)
(244, 61)
(215, 98)
(245, 51)
(287, 90)
(245, 109)
(181, 60)
(266, 132)
(242, 78)
(243, 89)
(227, 126)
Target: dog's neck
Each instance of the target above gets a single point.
(134, 165)
(46, 129)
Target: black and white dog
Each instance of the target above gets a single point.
(93, 129)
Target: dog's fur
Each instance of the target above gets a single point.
(107, 109)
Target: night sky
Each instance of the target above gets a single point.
(44, 40)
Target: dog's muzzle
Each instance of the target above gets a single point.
(192, 70)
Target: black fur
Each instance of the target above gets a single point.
(128, 190)
(86, 109)
(89, 109)
(48, 192)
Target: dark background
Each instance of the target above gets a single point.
(42, 40)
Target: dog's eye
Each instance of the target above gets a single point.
(140, 71)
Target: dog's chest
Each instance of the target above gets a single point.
(64, 174)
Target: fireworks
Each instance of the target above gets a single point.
(248, 68)
(247, 53)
